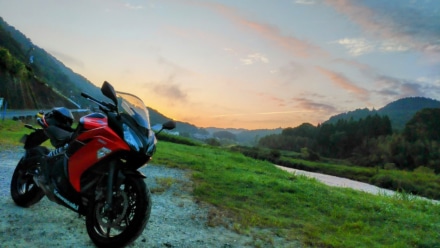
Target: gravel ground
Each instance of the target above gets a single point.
(176, 219)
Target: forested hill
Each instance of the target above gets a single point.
(399, 112)
(42, 66)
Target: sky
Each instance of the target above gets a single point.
(255, 64)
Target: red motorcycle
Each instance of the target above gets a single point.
(94, 168)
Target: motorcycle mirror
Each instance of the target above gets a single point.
(169, 125)
(108, 91)
(156, 128)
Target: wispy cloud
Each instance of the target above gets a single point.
(254, 58)
(313, 106)
(397, 88)
(405, 26)
(361, 46)
(356, 47)
(290, 44)
(306, 2)
(133, 7)
(343, 82)
(271, 99)
(171, 91)
(264, 113)
(390, 46)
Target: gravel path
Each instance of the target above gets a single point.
(176, 220)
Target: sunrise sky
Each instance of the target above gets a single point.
(244, 63)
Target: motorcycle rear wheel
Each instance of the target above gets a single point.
(24, 191)
(126, 220)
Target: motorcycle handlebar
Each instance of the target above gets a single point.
(86, 95)
(105, 106)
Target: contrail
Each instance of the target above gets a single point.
(266, 113)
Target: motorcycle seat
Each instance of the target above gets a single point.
(58, 136)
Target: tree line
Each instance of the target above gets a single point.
(368, 141)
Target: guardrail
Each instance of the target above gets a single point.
(30, 113)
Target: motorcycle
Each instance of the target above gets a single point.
(94, 168)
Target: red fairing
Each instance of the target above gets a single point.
(100, 141)
(93, 121)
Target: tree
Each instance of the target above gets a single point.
(424, 125)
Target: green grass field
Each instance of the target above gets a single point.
(256, 194)
(257, 197)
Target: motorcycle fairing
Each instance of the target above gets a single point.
(62, 189)
(93, 120)
(98, 144)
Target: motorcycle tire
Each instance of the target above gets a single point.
(24, 191)
(127, 218)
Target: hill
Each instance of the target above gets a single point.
(44, 67)
(399, 112)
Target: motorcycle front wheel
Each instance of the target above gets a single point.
(121, 224)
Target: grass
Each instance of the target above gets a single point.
(163, 184)
(11, 132)
(256, 194)
(422, 181)
(268, 204)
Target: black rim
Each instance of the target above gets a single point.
(113, 222)
(25, 182)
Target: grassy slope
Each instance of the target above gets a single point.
(256, 194)
(295, 207)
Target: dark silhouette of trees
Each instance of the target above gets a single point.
(337, 140)
(368, 141)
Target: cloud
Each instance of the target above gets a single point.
(361, 46)
(390, 46)
(133, 7)
(268, 98)
(398, 88)
(168, 87)
(264, 113)
(290, 44)
(170, 91)
(305, 2)
(343, 82)
(310, 105)
(356, 47)
(402, 24)
(254, 58)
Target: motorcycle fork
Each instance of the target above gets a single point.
(114, 180)
(110, 179)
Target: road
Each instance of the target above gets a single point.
(10, 113)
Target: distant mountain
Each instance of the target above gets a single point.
(244, 136)
(399, 112)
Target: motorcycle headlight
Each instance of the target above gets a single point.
(131, 138)
(151, 143)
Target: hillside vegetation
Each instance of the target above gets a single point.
(29, 66)
(369, 143)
